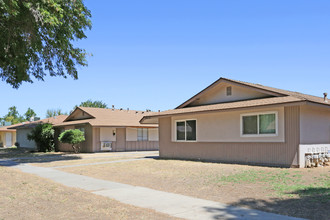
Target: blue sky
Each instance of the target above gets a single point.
(156, 54)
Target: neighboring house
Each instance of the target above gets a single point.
(110, 130)
(238, 122)
(7, 136)
(24, 128)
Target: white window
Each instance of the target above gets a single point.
(259, 124)
(186, 130)
(142, 134)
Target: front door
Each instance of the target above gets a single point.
(8, 140)
(120, 139)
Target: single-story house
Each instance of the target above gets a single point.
(239, 122)
(7, 136)
(24, 128)
(110, 130)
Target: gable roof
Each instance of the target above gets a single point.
(264, 89)
(101, 117)
(31, 124)
(279, 97)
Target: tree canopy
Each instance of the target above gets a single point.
(29, 114)
(73, 137)
(36, 39)
(43, 135)
(14, 117)
(54, 112)
(94, 104)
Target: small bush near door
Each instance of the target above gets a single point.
(73, 137)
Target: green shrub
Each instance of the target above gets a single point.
(43, 135)
(73, 137)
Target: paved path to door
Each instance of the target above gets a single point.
(169, 203)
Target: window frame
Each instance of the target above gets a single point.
(185, 131)
(258, 125)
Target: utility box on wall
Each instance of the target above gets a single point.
(106, 146)
(311, 155)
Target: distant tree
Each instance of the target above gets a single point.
(43, 135)
(36, 39)
(73, 137)
(54, 112)
(29, 114)
(93, 104)
(13, 116)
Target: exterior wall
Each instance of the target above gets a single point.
(314, 125)
(153, 134)
(226, 126)
(126, 140)
(219, 94)
(107, 134)
(142, 145)
(95, 135)
(131, 134)
(21, 136)
(85, 147)
(266, 153)
(3, 142)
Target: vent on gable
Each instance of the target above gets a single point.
(228, 91)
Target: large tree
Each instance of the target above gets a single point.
(13, 116)
(94, 104)
(36, 39)
(54, 112)
(29, 114)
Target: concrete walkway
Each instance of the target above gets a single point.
(169, 203)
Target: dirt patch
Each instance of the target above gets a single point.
(25, 196)
(295, 192)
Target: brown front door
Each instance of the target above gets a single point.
(121, 139)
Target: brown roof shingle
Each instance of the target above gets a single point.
(284, 97)
(111, 118)
(226, 106)
(31, 124)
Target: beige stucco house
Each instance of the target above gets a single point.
(7, 136)
(234, 121)
(110, 130)
(24, 128)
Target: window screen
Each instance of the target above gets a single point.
(191, 130)
(180, 131)
(267, 124)
(250, 124)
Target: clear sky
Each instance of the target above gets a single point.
(156, 54)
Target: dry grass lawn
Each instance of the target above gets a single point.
(25, 196)
(295, 192)
(56, 163)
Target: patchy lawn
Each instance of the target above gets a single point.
(63, 162)
(25, 196)
(295, 192)
(13, 152)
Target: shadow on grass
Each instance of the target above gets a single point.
(313, 203)
(15, 156)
